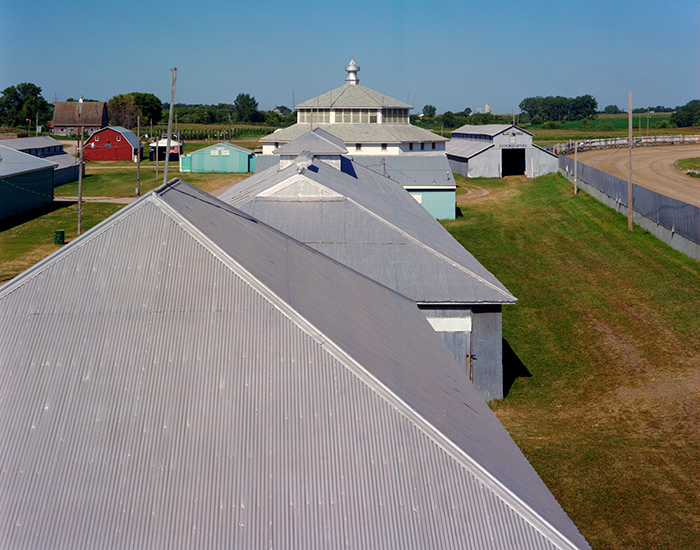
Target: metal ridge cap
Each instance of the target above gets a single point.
(532, 516)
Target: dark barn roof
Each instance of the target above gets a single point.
(93, 114)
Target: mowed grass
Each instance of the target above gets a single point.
(24, 240)
(607, 326)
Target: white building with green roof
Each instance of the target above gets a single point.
(377, 133)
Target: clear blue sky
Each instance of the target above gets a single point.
(452, 54)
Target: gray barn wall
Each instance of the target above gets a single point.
(484, 344)
(24, 192)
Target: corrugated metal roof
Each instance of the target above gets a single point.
(92, 113)
(128, 134)
(425, 170)
(486, 129)
(38, 142)
(358, 133)
(353, 96)
(317, 141)
(16, 162)
(466, 148)
(182, 375)
(377, 229)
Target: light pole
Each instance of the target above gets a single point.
(29, 126)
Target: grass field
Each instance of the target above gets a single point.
(607, 327)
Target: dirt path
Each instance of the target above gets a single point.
(652, 167)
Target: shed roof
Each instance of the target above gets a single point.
(184, 375)
(16, 162)
(466, 148)
(317, 141)
(358, 133)
(369, 223)
(487, 129)
(351, 96)
(221, 144)
(92, 113)
(38, 142)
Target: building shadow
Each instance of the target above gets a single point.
(458, 212)
(13, 221)
(513, 368)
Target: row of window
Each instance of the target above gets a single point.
(358, 146)
(354, 116)
(97, 138)
(473, 137)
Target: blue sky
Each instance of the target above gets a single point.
(452, 54)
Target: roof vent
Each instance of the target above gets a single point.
(352, 69)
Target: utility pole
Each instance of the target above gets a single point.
(170, 125)
(80, 167)
(138, 156)
(629, 178)
(576, 167)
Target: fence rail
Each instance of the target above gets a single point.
(613, 143)
(653, 210)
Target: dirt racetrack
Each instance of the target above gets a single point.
(652, 167)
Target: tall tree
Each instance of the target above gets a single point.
(245, 108)
(123, 111)
(150, 107)
(429, 110)
(22, 102)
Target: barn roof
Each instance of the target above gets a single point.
(184, 375)
(93, 113)
(358, 133)
(487, 129)
(371, 224)
(38, 142)
(15, 162)
(319, 141)
(466, 148)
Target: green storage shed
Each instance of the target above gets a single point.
(223, 158)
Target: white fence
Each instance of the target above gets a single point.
(613, 143)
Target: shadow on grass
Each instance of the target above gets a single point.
(48, 208)
(458, 212)
(513, 368)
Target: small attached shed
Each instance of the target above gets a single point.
(26, 182)
(496, 151)
(223, 158)
(112, 143)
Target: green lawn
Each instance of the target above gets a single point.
(607, 327)
(24, 240)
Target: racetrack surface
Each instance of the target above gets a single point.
(652, 167)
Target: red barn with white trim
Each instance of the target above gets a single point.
(112, 143)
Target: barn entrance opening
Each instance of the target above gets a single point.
(513, 162)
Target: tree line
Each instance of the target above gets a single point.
(557, 108)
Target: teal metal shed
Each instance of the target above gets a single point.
(223, 157)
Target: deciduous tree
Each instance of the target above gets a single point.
(22, 102)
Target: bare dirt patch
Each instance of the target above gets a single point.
(652, 167)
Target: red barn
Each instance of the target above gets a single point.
(112, 143)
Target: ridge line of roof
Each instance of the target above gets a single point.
(329, 345)
(469, 272)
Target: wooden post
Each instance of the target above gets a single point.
(629, 178)
(170, 126)
(576, 167)
(138, 156)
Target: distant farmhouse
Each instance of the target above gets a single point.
(93, 116)
(376, 130)
(67, 166)
(112, 143)
(26, 182)
(185, 376)
(496, 151)
(222, 158)
(320, 196)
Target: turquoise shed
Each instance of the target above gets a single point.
(223, 158)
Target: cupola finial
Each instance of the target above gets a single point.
(352, 69)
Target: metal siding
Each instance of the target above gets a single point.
(183, 375)
(23, 192)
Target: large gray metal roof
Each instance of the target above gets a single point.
(358, 133)
(369, 223)
(352, 96)
(319, 141)
(466, 148)
(16, 162)
(183, 375)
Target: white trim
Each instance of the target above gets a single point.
(451, 324)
